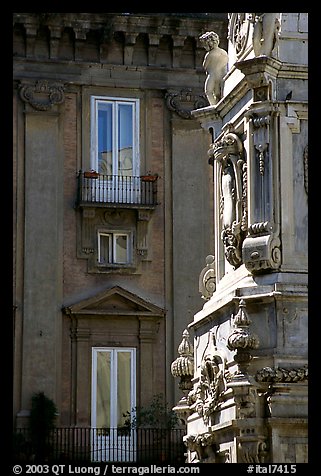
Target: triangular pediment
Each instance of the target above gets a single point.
(114, 301)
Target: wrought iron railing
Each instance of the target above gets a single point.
(117, 189)
(74, 444)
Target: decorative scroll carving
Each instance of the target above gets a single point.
(207, 284)
(228, 151)
(43, 94)
(215, 65)
(277, 374)
(262, 252)
(184, 102)
(208, 393)
(242, 340)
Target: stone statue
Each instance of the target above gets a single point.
(266, 26)
(215, 65)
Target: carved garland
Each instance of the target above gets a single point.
(208, 393)
(278, 374)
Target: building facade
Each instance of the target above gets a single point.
(243, 359)
(112, 206)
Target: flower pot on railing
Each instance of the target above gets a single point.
(91, 174)
(149, 178)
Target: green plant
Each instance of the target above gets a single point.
(42, 421)
(156, 414)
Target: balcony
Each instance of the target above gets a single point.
(115, 191)
(75, 444)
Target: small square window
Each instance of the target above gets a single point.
(114, 248)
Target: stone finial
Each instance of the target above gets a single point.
(183, 366)
(215, 64)
(241, 339)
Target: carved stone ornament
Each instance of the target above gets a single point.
(202, 447)
(208, 393)
(305, 164)
(242, 340)
(183, 366)
(252, 450)
(246, 404)
(238, 31)
(265, 33)
(207, 283)
(184, 102)
(43, 94)
(215, 65)
(228, 152)
(261, 252)
(278, 374)
(261, 249)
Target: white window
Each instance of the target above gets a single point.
(115, 136)
(114, 248)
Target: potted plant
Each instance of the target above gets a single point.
(149, 177)
(42, 421)
(91, 174)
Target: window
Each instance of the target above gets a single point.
(115, 136)
(113, 397)
(114, 248)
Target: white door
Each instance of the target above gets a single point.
(113, 396)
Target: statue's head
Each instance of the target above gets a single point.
(209, 40)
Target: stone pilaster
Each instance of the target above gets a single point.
(43, 240)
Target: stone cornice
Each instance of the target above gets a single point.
(112, 22)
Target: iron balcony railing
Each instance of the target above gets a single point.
(102, 189)
(74, 444)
